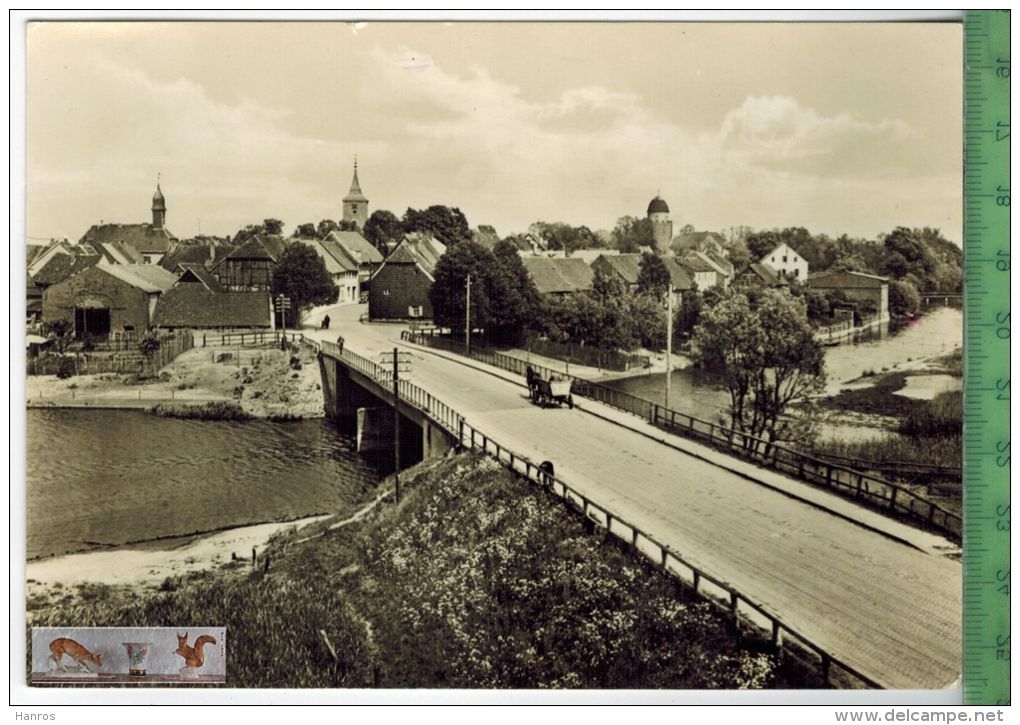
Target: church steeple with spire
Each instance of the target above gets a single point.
(356, 203)
(158, 207)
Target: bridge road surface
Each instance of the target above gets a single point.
(889, 610)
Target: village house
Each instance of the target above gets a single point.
(365, 255)
(400, 288)
(559, 276)
(689, 240)
(867, 290)
(627, 267)
(151, 241)
(702, 272)
(341, 267)
(249, 266)
(105, 299)
(787, 262)
(759, 275)
(198, 301)
(206, 251)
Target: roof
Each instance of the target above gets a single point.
(697, 241)
(62, 266)
(192, 305)
(696, 263)
(193, 253)
(357, 246)
(337, 261)
(418, 248)
(849, 279)
(198, 274)
(34, 250)
(485, 239)
(627, 266)
(260, 246)
(556, 276)
(158, 202)
(658, 206)
(766, 274)
(143, 237)
(147, 277)
(117, 252)
(677, 274)
(724, 265)
(355, 193)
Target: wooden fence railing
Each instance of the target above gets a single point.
(742, 611)
(849, 482)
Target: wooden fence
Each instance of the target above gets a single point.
(849, 482)
(743, 612)
(129, 361)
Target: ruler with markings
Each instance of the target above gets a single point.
(986, 595)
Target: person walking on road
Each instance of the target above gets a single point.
(325, 322)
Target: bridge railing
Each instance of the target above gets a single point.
(742, 611)
(846, 481)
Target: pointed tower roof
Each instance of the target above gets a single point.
(158, 202)
(355, 193)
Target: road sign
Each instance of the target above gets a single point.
(986, 227)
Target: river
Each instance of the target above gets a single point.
(101, 478)
(700, 394)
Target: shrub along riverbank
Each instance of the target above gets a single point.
(477, 579)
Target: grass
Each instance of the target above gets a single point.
(477, 579)
(213, 410)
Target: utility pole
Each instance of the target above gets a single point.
(467, 316)
(282, 305)
(396, 426)
(669, 339)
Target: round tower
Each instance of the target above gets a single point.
(662, 227)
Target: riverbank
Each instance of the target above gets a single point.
(264, 382)
(477, 579)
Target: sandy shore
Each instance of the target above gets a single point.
(151, 566)
(260, 379)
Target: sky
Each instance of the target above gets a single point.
(839, 128)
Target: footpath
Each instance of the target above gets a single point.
(917, 538)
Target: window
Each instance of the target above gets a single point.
(784, 259)
(796, 272)
(386, 293)
(413, 311)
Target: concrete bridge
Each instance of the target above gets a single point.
(879, 598)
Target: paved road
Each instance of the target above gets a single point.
(886, 608)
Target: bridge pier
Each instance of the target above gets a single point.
(358, 403)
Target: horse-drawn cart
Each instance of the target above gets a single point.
(548, 391)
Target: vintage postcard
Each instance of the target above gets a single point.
(592, 356)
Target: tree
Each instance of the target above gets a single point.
(817, 304)
(449, 288)
(761, 243)
(383, 229)
(607, 314)
(448, 225)
(268, 226)
(305, 231)
(649, 319)
(904, 299)
(325, 227)
(768, 358)
(653, 277)
(516, 302)
(60, 331)
(688, 316)
(301, 275)
(631, 234)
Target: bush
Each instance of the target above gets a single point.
(206, 411)
(66, 368)
(295, 362)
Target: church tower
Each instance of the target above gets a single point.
(662, 227)
(356, 203)
(158, 208)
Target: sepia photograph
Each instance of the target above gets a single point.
(490, 355)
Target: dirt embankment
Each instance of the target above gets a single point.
(265, 382)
